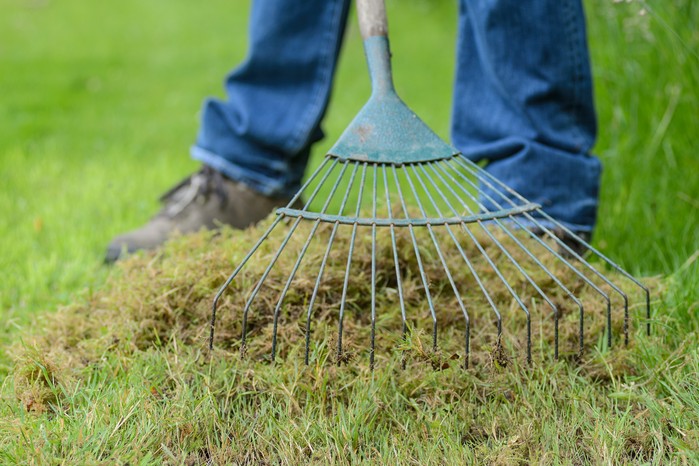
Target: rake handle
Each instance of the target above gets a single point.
(372, 18)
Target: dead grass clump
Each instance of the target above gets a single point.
(153, 299)
(38, 380)
(492, 282)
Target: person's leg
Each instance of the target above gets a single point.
(261, 133)
(255, 144)
(523, 101)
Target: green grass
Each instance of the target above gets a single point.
(98, 109)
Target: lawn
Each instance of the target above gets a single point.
(97, 111)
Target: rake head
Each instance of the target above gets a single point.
(400, 231)
(424, 245)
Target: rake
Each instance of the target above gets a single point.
(391, 185)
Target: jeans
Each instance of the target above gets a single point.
(522, 100)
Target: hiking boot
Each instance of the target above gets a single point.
(206, 199)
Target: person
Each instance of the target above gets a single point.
(523, 101)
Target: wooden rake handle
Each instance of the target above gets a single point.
(372, 18)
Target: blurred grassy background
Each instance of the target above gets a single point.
(99, 105)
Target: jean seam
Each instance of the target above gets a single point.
(301, 135)
(576, 64)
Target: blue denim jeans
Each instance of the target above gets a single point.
(522, 99)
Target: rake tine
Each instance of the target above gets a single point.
(232, 276)
(311, 234)
(373, 271)
(273, 261)
(423, 276)
(544, 296)
(437, 168)
(325, 258)
(315, 289)
(467, 342)
(528, 252)
(575, 270)
(349, 265)
(438, 248)
(308, 182)
(277, 309)
(577, 256)
(495, 269)
(603, 277)
(399, 282)
(591, 248)
(596, 272)
(253, 294)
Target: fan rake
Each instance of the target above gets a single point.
(401, 204)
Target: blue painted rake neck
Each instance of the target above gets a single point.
(386, 130)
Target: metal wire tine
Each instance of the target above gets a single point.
(311, 234)
(252, 251)
(497, 271)
(481, 173)
(286, 288)
(575, 270)
(310, 179)
(435, 206)
(315, 289)
(423, 275)
(399, 282)
(596, 272)
(325, 258)
(534, 236)
(373, 269)
(560, 243)
(437, 246)
(437, 168)
(253, 294)
(343, 302)
(509, 288)
(481, 285)
(232, 277)
(468, 262)
(606, 280)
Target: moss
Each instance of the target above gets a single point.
(39, 379)
(162, 298)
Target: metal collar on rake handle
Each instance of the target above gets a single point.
(388, 157)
